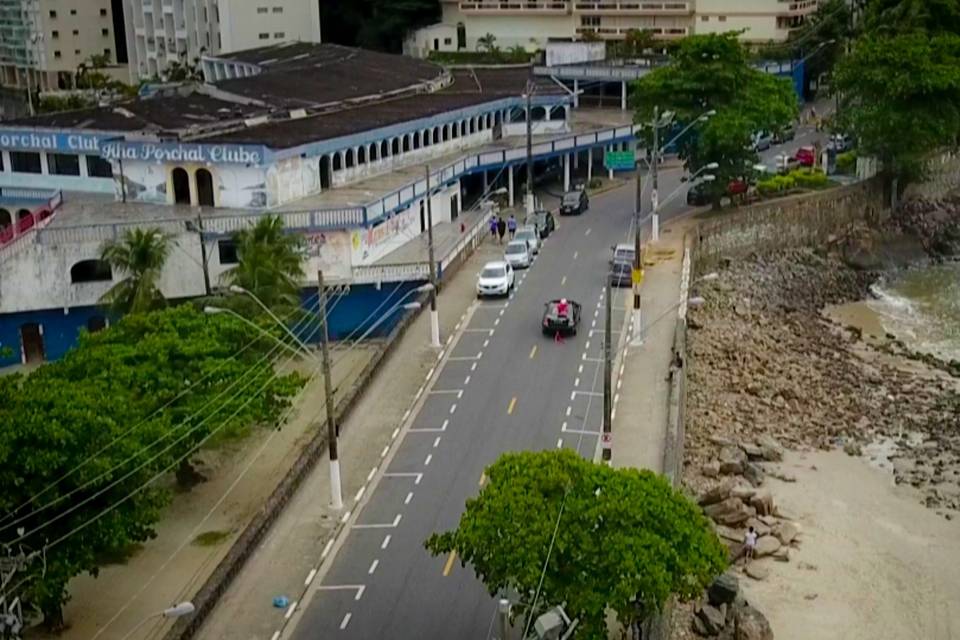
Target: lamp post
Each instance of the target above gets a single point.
(176, 611)
(238, 289)
(230, 312)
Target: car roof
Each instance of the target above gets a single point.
(495, 264)
(527, 227)
(624, 246)
(517, 243)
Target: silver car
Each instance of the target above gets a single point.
(529, 233)
(518, 255)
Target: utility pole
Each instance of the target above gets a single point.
(203, 252)
(434, 315)
(637, 257)
(336, 495)
(529, 197)
(654, 197)
(607, 436)
(503, 611)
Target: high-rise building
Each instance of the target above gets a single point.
(163, 31)
(44, 42)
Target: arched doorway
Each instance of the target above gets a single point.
(90, 271)
(325, 172)
(205, 188)
(5, 219)
(181, 186)
(558, 113)
(337, 161)
(31, 338)
(361, 155)
(395, 148)
(96, 323)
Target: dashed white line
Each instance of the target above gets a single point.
(588, 232)
(436, 442)
(486, 343)
(559, 443)
(372, 473)
(619, 383)
(593, 323)
(466, 381)
(396, 432)
(473, 367)
(418, 394)
(563, 427)
(290, 610)
(586, 347)
(563, 281)
(573, 394)
(576, 382)
(386, 450)
(386, 541)
(408, 498)
(453, 407)
(616, 398)
(501, 311)
(360, 591)
(360, 493)
(460, 394)
(310, 577)
(426, 462)
(346, 516)
(326, 549)
(406, 414)
(496, 322)
(569, 410)
(575, 255)
(596, 313)
(580, 368)
(345, 621)
(275, 636)
(430, 373)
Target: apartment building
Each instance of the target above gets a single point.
(531, 23)
(163, 31)
(43, 42)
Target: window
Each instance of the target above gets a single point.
(106, 52)
(722, 18)
(90, 271)
(73, 12)
(63, 164)
(278, 9)
(54, 34)
(704, 18)
(228, 252)
(262, 9)
(448, 41)
(76, 32)
(56, 54)
(104, 32)
(97, 167)
(589, 21)
(264, 36)
(103, 12)
(76, 52)
(279, 34)
(53, 14)
(25, 162)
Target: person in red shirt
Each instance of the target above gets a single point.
(562, 310)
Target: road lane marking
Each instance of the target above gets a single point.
(426, 461)
(449, 564)
(563, 281)
(473, 367)
(408, 498)
(360, 493)
(586, 347)
(533, 352)
(386, 541)
(496, 322)
(402, 474)
(580, 369)
(461, 358)
(391, 525)
(310, 577)
(583, 432)
(436, 442)
(588, 231)
(596, 313)
(326, 549)
(513, 403)
(386, 450)
(372, 473)
(619, 383)
(593, 323)
(569, 410)
(345, 621)
(396, 432)
(576, 382)
(486, 343)
(275, 636)
(430, 373)
(575, 255)
(346, 516)
(502, 311)
(373, 566)
(586, 393)
(559, 443)
(453, 407)
(442, 391)
(290, 610)
(466, 381)
(360, 592)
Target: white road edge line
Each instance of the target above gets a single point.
(275, 636)
(360, 493)
(290, 610)
(310, 577)
(345, 621)
(408, 498)
(326, 549)
(426, 461)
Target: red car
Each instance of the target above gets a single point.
(806, 156)
(737, 187)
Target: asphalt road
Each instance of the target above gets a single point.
(501, 386)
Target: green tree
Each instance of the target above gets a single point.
(89, 441)
(270, 263)
(821, 39)
(638, 41)
(375, 24)
(713, 72)
(889, 17)
(487, 43)
(139, 255)
(600, 538)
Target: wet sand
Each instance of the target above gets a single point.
(857, 314)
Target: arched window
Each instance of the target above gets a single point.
(384, 149)
(181, 186)
(205, 194)
(338, 161)
(5, 219)
(325, 172)
(408, 140)
(374, 152)
(446, 132)
(427, 138)
(463, 127)
(436, 135)
(90, 271)
(395, 146)
(473, 125)
(558, 113)
(348, 161)
(361, 155)
(538, 113)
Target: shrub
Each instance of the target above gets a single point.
(809, 178)
(847, 162)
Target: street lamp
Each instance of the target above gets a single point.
(176, 611)
(238, 289)
(218, 310)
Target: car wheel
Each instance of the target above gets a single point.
(573, 331)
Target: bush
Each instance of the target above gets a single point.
(595, 183)
(809, 178)
(847, 162)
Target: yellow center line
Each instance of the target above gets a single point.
(513, 403)
(448, 567)
(533, 352)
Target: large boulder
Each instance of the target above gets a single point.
(753, 451)
(732, 459)
(731, 511)
(753, 473)
(770, 448)
(715, 494)
(712, 618)
(723, 590)
(786, 532)
(762, 501)
(750, 624)
(767, 546)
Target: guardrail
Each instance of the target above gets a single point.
(13, 235)
(373, 273)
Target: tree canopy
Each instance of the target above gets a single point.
(87, 438)
(626, 540)
(375, 24)
(139, 255)
(713, 72)
(270, 263)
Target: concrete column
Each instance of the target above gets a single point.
(486, 184)
(576, 93)
(623, 96)
(192, 180)
(44, 165)
(610, 171)
(510, 198)
(566, 172)
(83, 167)
(576, 160)
(6, 162)
(589, 165)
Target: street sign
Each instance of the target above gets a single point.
(636, 276)
(619, 160)
(606, 440)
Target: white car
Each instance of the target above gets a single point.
(518, 255)
(495, 279)
(529, 233)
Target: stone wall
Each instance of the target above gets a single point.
(943, 176)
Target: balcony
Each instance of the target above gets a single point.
(632, 7)
(513, 7)
(618, 33)
(796, 7)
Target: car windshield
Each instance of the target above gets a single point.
(623, 253)
(526, 233)
(493, 272)
(514, 248)
(571, 198)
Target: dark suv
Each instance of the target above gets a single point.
(574, 203)
(544, 222)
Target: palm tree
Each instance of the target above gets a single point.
(487, 43)
(140, 254)
(270, 263)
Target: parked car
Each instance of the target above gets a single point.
(785, 163)
(806, 156)
(495, 279)
(762, 140)
(621, 273)
(574, 202)
(623, 252)
(556, 322)
(528, 233)
(841, 142)
(785, 134)
(544, 221)
(699, 194)
(518, 254)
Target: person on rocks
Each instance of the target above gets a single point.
(501, 228)
(749, 545)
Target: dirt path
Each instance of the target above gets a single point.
(880, 564)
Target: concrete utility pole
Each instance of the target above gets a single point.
(607, 436)
(336, 495)
(503, 610)
(434, 315)
(655, 162)
(528, 204)
(203, 256)
(637, 257)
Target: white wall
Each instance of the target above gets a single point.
(758, 17)
(437, 37)
(235, 186)
(243, 22)
(529, 32)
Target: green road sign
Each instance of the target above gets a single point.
(619, 160)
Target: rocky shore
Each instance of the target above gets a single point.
(768, 370)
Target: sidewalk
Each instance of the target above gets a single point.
(298, 537)
(640, 421)
(199, 527)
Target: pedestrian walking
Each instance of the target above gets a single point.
(501, 228)
(749, 544)
(512, 226)
(493, 226)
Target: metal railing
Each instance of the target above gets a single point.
(24, 225)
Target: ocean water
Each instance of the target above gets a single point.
(922, 308)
